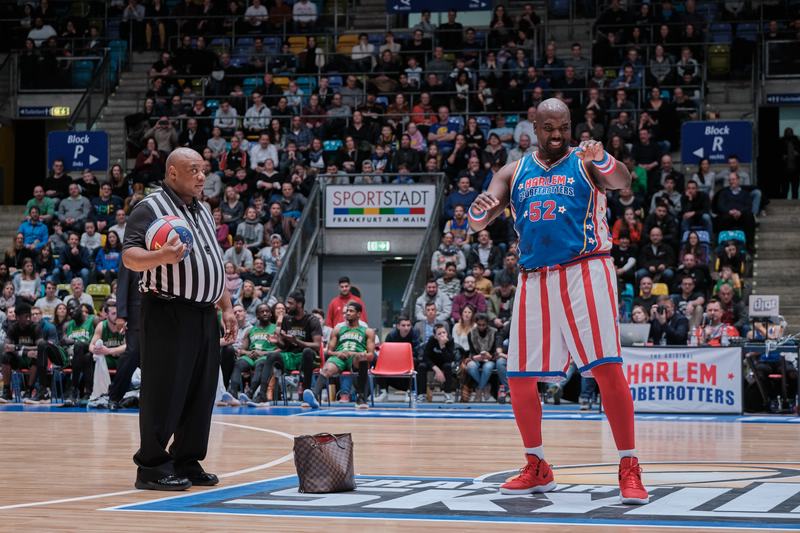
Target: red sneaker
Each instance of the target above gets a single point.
(631, 490)
(536, 476)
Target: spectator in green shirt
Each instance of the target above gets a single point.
(639, 175)
(46, 205)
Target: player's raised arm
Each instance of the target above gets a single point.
(493, 200)
(603, 167)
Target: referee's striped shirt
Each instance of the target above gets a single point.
(200, 277)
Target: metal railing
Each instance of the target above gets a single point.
(8, 74)
(781, 59)
(95, 97)
(69, 74)
(301, 247)
(422, 266)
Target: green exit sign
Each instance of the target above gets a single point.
(378, 246)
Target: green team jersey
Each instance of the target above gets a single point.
(111, 339)
(260, 338)
(81, 333)
(352, 339)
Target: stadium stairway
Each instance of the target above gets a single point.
(733, 100)
(10, 219)
(127, 99)
(368, 15)
(775, 262)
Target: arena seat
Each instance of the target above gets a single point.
(747, 31)
(719, 59)
(307, 83)
(99, 292)
(702, 235)
(63, 288)
(396, 360)
(297, 41)
(485, 124)
(273, 44)
(332, 145)
(250, 85)
(281, 81)
(731, 235)
(335, 82)
(720, 32)
(82, 72)
(558, 8)
(627, 298)
(660, 289)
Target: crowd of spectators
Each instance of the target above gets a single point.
(429, 101)
(270, 117)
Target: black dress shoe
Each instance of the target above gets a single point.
(203, 480)
(171, 482)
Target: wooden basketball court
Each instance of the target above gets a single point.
(62, 470)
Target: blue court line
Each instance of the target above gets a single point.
(198, 503)
(430, 411)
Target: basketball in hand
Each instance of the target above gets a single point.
(164, 228)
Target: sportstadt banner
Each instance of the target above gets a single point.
(379, 206)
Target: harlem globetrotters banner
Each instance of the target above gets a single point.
(684, 379)
(379, 206)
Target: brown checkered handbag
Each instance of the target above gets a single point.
(324, 462)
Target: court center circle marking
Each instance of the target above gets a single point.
(264, 466)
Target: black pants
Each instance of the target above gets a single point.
(786, 387)
(129, 361)
(38, 370)
(82, 368)
(46, 351)
(227, 358)
(790, 184)
(235, 385)
(445, 364)
(180, 369)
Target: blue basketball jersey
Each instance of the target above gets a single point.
(559, 212)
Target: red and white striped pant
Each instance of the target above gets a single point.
(562, 311)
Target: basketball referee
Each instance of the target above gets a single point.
(179, 341)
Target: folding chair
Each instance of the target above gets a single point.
(396, 360)
(57, 388)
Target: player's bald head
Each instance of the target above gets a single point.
(552, 128)
(552, 107)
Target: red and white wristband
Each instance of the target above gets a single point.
(607, 165)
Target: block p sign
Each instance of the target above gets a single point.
(78, 149)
